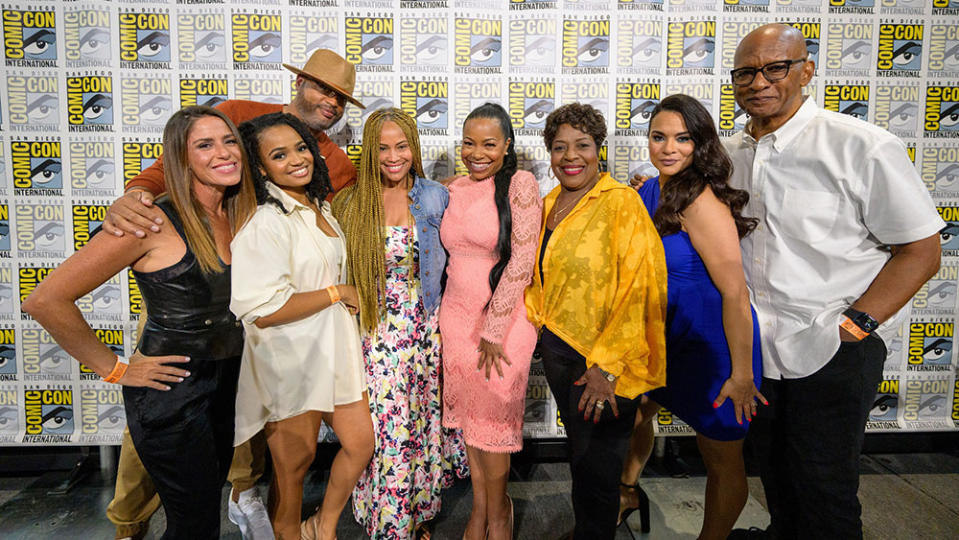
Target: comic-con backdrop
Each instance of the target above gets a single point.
(87, 87)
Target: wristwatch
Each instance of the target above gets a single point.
(609, 376)
(858, 323)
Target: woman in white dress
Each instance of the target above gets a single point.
(302, 359)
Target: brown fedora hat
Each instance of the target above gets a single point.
(331, 69)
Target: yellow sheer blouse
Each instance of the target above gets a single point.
(604, 286)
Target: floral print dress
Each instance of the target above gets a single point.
(414, 457)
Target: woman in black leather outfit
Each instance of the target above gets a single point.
(180, 384)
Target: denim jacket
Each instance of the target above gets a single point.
(428, 202)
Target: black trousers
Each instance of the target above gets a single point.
(596, 450)
(809, 439)
(184, 437)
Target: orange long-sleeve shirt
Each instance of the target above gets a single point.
(342, 171)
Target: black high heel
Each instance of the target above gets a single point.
(643, 507)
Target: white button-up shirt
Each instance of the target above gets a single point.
(831, 193)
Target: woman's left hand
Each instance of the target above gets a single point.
(599, 392)
(492, 355)
(743, 393)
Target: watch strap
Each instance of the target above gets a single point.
(853, 328)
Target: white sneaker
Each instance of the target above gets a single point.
(249, 514)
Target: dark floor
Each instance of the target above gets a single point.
(903, 495)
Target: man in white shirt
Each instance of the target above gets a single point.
(847, 235)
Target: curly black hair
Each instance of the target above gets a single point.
(581, 116)
(319, 186)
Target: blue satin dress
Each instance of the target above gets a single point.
(697, 354)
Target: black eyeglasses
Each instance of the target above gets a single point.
(773, 71)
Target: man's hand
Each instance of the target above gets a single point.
(638, 180)
(133, 213)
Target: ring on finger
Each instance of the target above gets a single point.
(600, 405)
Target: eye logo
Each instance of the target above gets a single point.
(40, 229)
(944, 50)
(942, 111)
(851, 100)
(309, 33)
(423, 42)
(37, 167)
(256, 40)
(201, 39)
(90, 103)
(900, 50)
(940, 170)
(86, 219)
(478, 45)
(930, 343)
(144, 39)
(691, 45)
(886, 404)
(529, 105)
(634, 107)
(30, 38)
(138, 156)
(585, 45)
(897, 109)
(850, 46)
(428, 103)
(369, 41)
(32, 102)
(101, 410)
(87, 37)
(926, 399)
(146, 103)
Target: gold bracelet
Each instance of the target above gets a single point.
(118, 370)
(334, 294)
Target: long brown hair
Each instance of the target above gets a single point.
(359, 209)
(711, 167)
(238, 200)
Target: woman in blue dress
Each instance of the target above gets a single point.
(713, 365)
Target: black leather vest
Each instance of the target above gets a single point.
(188, 312)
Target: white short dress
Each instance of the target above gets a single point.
(311, 364)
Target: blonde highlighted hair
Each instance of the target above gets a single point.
(239, 200)
(359, 209)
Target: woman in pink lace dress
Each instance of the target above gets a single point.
(490, 229)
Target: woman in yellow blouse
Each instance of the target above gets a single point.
(599, 298)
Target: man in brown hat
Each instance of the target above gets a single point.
(323, 87)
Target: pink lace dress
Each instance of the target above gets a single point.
(490, 413)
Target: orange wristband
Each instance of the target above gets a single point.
(118, 370)
(853, 328)
(334, 294)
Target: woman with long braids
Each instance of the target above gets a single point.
(302, 360)
(490, 230)
(714, 362)
(391, 218)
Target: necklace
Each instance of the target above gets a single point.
(562, 211)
